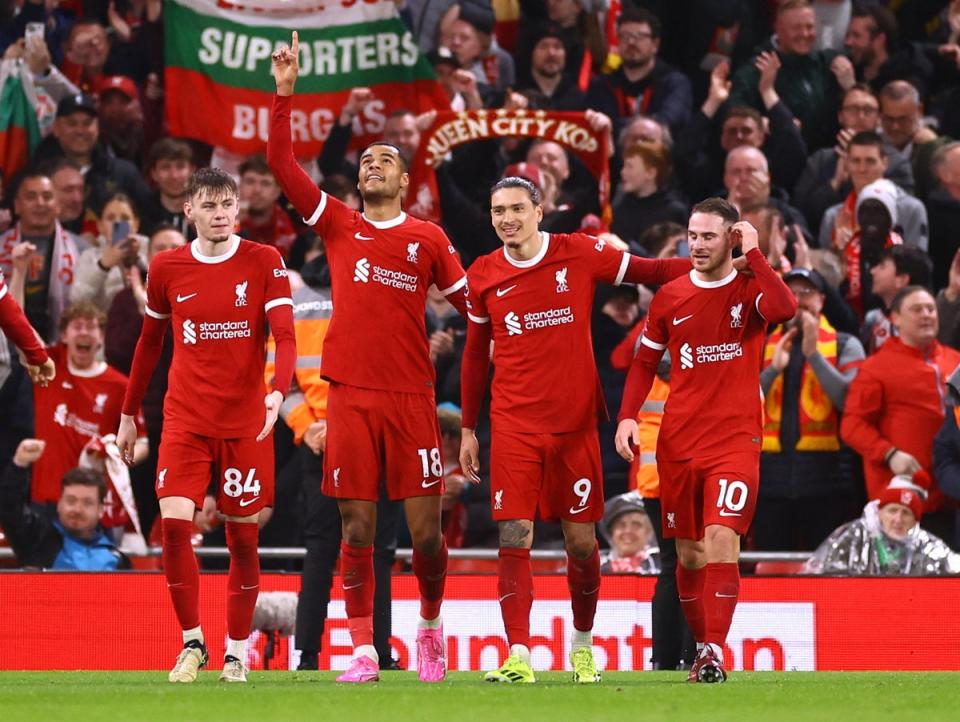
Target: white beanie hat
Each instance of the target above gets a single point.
(884, 191)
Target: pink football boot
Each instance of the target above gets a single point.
(431, 655)
(361, 669)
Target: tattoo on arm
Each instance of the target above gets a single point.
(515, 534)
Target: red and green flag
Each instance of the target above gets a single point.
(218, 70)
(19, 131)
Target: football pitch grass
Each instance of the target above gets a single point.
(633, 696)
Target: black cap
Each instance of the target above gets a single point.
(811, 277)
(547, 29)
(478, 13)
(79, 103)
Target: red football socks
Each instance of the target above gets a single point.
(690, 588)
(181, 570)
(515, 586)
(583, 579)
(431, 575)
(356, 569)
(243, 581)
(721, 590)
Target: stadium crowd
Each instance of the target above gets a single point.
(830, 125)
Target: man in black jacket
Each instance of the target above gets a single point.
(74, 540)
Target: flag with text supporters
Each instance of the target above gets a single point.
(19, 131)
(219, 84)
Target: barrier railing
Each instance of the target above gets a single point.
(747, 557)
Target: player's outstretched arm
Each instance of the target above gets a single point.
(17, 328)
(778, 304)
(296, 184)
(655, 271)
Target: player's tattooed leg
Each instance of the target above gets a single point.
(516, 534)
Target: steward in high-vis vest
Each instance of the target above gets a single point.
(806, 473)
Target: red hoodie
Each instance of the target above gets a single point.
(897, 400)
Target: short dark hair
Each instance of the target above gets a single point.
(912, 262)
(449, 422)
(718, 207)
(169, 149)
(256, 163)
(860, 88)
(744, 111)
(85, 477)
(213, 181)
(120, 198)
(404, 161)
(655, 237)
(338, 186)
(633, 14)
(869, 137)
(517, 182)
(902, 294)
(51, 166)
(884, 21)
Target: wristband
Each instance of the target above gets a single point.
(102, 267)
(889, 454)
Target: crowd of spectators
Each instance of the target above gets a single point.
(830, 125)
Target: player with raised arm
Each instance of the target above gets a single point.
(714, 323)
(534, 299)
(381, 411)
(219, 292)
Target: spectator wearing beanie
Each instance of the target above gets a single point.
(887, 539)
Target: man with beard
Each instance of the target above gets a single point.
(553, 88)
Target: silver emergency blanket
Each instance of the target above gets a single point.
(860, 547)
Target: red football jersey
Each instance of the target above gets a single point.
(218, 306)
(75, 407)
(380, 273)
(715, 334)
(545, 377)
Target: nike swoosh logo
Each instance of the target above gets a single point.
(592, 591)
(361, 237)
(178, 584)
(511, 594)
(248, 502)
(577, 511)
(505, 291)
(425, 485)
(247, 589)
(726, 596)
(691, 599)
(352, 586)
(678, 321)
(181, 299)
(724, 512)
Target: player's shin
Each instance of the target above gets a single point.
(357, 582)
(583, 580)
(431, 573)
(243, 584)
(515, 587)
(690, 588)
(183, 576)
(721, 591)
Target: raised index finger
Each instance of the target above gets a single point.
(295, 45)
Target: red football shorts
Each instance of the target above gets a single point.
(243, 469)
(559, 474)
(699, 492)
(374, 435)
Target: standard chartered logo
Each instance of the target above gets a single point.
(362, 272)
(512, 322)
(215, 331)
(189, 332)
(709, 353)
(686, 356)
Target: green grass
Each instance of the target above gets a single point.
(633, 696)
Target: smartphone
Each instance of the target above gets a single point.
(683, 248)
(121, 232)
(34, 30)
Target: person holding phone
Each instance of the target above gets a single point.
(102, 269)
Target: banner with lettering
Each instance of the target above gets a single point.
(219, 82)
(453, 128)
